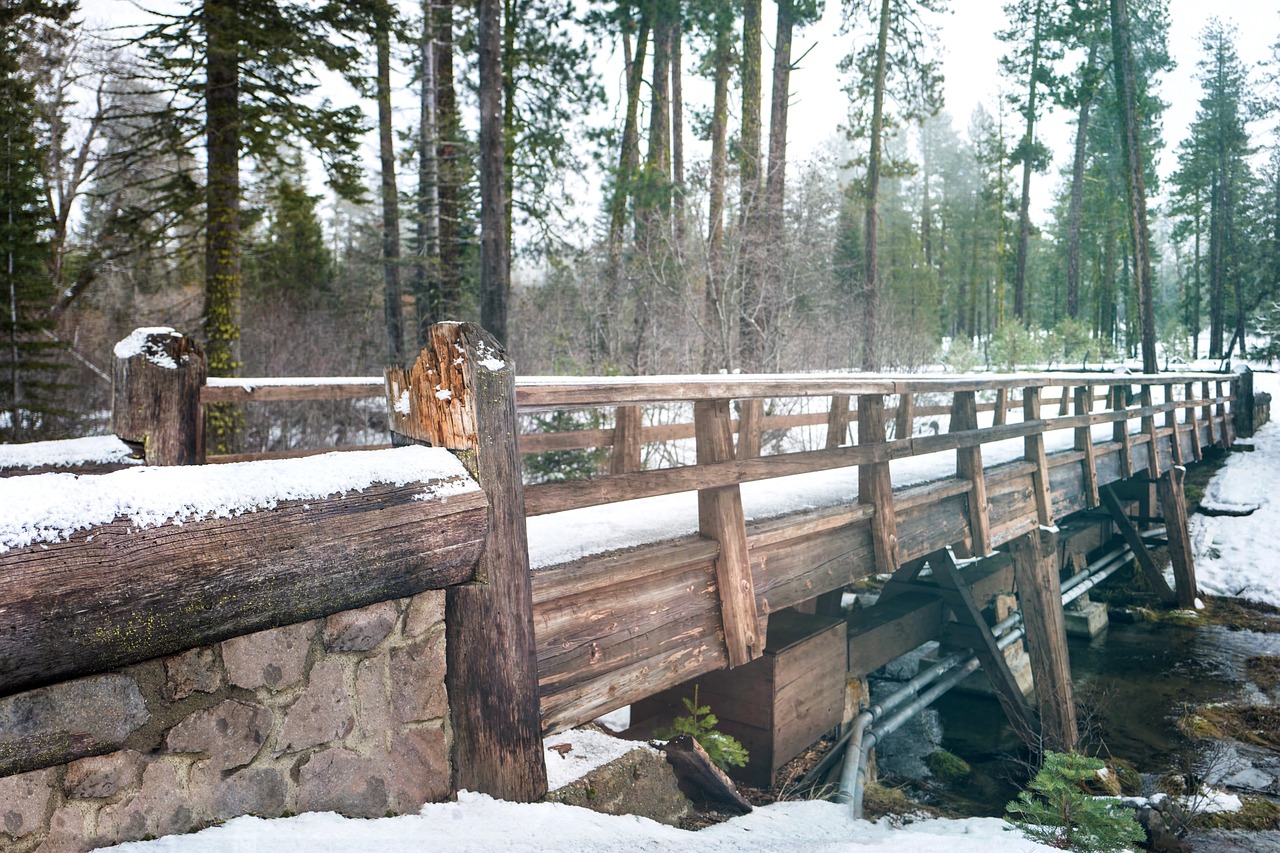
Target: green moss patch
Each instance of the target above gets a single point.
(1257, 814)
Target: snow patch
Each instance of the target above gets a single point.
(51, 507)
(95, 450)
(136, 342)
(402, 403)
(587, 750)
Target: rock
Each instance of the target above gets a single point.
(251, 790)
(342, 781)
(63, 722)
(360, 630)
(1160, 838)
(426, 610)
(700, 778)
(374, 700)
(1234, 841)
(417, 769)
(417, 681)
(276, 659)
(102, 776)
(231, 732)
(23, 801)
(159, 808)
(641, 782)
(194, 671)
(322, 714)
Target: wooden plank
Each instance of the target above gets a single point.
(1173, 506)
(904, 419)
(549, 392)
(838, 422)
(1021, 715)
(720, 518)
(167, 588)
(1035, 571)
(1153, 441)
(752, 416)
(625, 457)
(1145, 561)
(155, 399)
(461, 396)
(969, 467)
(1120, 428)
(875, 486)
(1084, 443)
(300, 453)
(249, 390)
(1208, 413)
(1001, 415)
(1188, 392)
(1064, 401)
(1227, 432)
(1171, 423)
(1033, 452)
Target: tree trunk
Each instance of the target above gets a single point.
(1137, 193)
(393, 309)
(775, 178)
(870, 273)
(494, 272)
(427, 237)
(677, 129)
(1077, 193)
(750, 339)
(222, 214)
(1024, 207)
(629, 155)
(450, 158)
(511, 13)
(716, 350)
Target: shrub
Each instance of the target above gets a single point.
(700, 724)
(1056, 811)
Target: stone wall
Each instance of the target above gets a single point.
(347, 714)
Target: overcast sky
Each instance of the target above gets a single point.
(970, 53)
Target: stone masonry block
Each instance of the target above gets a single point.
(250, 790)
(102, 776)
(417, 680)
(23, 801)
(360, 630)
(417, 769)
(63, 722)
(194, 671)
(323, 713)
(340, 780)
(426, 610)
(231, 733)
(275, 658)
(373, 699)
(160, 807)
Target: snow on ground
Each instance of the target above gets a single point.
(1237, 555)
(50, 507)
(573, 754)
(97, 449)
(479, 824)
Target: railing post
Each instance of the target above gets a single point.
(1084, 443)
(1208, 413)
(1033, 452)
(1189, 395)
(460, 394)
(1242, 406)
(875, 486)
(837, 422)
(1000, 416)
(1149, 429)
(1171, 422)
(720, 518)
(1173, 506)
(155, 396)
(964, 416)
(750, 418)
(1120, 429)
(625, 456)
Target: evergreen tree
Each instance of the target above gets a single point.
(28, 359)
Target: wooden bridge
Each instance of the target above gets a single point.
(1005, 459)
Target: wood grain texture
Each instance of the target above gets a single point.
(1033, 452)
(720, 518)
(155, 400)
(838, 422)
(267, 393)
(491, 672)
(1149, 430)
(1035, 571)
(625, 457)
(1173, 506)
(1150, 570)
(159, 590)
(1084, 443)
(964, 418)
(875, 487)
(749, 428)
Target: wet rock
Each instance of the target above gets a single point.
(1160, 837)
(1232, 841)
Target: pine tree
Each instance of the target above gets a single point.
(1057, 811)
(28, 359)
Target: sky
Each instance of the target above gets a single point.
(970, 53)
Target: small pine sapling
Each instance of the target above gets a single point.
(700, 724)
(1057, 811)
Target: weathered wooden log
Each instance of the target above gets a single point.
(155, 396)
(626, 455)
(875, 486)
(1173, 506)
(1035, 571)
(460, 394)
(118, 593)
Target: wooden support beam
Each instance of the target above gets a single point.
(838, 422)
(1084, 443)
(1197, 452)
(1120, 429)
(1002, 407)
(1064, 401)
(155, 397)
(461, 394)
(875, 486)
(1153, 439)
(1242, 407)
(973, 628)
(904, 422)
(1208, 412)
(1228, 432)
(1145, 561)
(1171, 422)
(121, 593)
(1173, 506)
(1035, 572)
(1033, 452)
(750, 420)
(964, 416)
(626, 454)
(720, 518)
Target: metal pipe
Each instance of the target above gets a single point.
(947, 673)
